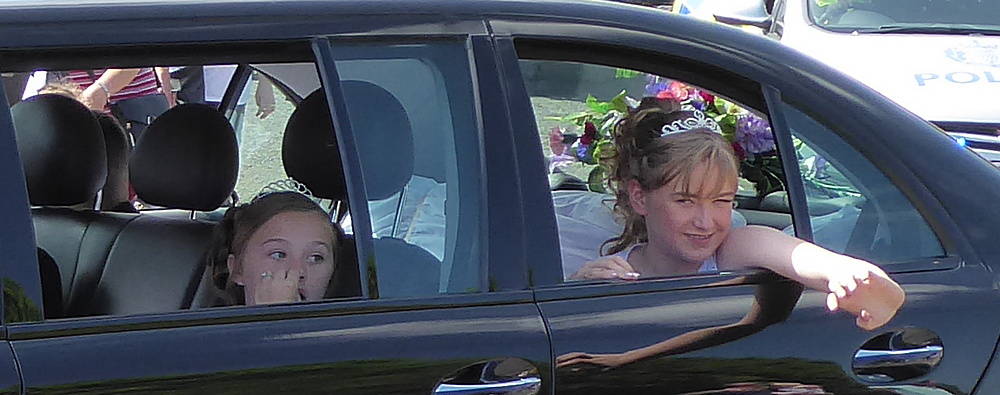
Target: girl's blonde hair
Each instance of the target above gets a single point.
(654, 160)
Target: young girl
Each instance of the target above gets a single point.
(279, 248)
(675, 179)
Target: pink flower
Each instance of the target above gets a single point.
(589, 133)
(556, 141)
(675, 91)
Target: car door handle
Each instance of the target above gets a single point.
(898, 355)
(503, 376)
(897, 358)
(524, 386)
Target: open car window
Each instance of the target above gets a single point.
(577, 107)
(127, 220)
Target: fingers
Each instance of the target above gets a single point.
(573, 358)
(607, 268)
(621, 268)
(264, 111)
(874, 301)
(832, 303)
(279, 286)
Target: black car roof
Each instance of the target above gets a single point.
(60, 22)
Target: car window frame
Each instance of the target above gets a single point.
(19, 266)
(509, 289)
(598, 38)
(481, 57)
(548, 278)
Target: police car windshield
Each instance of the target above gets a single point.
(907, 16)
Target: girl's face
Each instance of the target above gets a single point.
(288, 259)
(689, 223)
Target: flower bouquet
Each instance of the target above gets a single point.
(749, 134)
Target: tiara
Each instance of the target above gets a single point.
(286, 185)
(695, 121)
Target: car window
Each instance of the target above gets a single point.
(105, 208)
(900, 15)
(853, 207)
(412, 109)
(578, 105)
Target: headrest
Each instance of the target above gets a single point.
(311, 155)
(187, 159)
(62, 150)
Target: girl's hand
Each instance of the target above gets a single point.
(279, 286)
(865, 291)
(605, 360)
(608, 267)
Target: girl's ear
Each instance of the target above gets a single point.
(636, 197)
(235, 272)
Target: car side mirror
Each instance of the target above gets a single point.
(744, 12)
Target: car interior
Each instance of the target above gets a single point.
(123, 229)
(109, 257)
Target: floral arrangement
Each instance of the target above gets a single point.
(750, 135)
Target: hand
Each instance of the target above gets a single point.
(607, 267)
(867, 292)
(264, 97)
(94, 97)
(605, 360)
(280, 286)
(263, 111)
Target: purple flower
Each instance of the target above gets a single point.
(655, 85)
(698, 102)
(582, 152)
(754, 134)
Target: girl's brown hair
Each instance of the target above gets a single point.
(240, 222)
(642, 154)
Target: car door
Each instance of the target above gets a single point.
(732, 332)
(440, 306)
(18, 241)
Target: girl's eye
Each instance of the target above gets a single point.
(316, 258)
(278, 255)
(686, 202)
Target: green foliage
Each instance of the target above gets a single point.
(626, 74)
(18, 307)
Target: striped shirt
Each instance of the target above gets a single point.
(143, 84)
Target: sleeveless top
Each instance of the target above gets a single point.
(708, 266)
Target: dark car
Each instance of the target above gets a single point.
(423, 127)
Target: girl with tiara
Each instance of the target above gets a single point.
(675, 179)
(279, 248)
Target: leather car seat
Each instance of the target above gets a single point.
(311, 156)
(115, 194)
(63, 155)
(186, 161)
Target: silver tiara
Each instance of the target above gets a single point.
(286, 185)
(697, 120)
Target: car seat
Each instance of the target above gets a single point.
(186, 162)
(115, 193)
(63, 155)
(311, 155)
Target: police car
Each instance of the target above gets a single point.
(937, 58)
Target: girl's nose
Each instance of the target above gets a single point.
(702, 218)
(299, 265)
